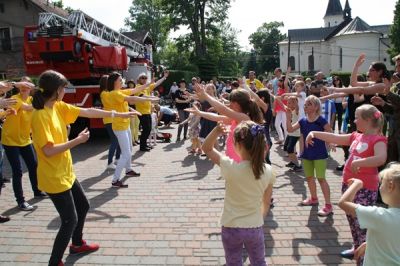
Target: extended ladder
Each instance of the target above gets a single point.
(88, 29)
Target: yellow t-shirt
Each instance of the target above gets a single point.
(49, 125)
(17, 128)
(105, 101)
(243, 193)
(145, 107)
(116, 101)
(259, 84)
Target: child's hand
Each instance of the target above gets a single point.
(221, 128)
(354, 166)
(200, 91)
(360, 60)
(360, 251)
(355, 182)
(193, 110)
(11, 111)
(166, 73)
(332, 147)
(309, 139)
(83, 136)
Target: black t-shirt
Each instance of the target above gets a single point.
(181, 96)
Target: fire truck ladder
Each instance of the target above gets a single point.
(87, 29)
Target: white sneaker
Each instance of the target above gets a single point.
(111, 166)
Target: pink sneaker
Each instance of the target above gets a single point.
(309, 202)
(325, 211)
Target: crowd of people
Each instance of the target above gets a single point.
(245, 113)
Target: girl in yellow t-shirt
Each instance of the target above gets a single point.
(55, 172)
(118, 100)
(16, 141)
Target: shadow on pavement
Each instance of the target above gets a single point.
(324, 236)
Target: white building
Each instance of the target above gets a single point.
(336, 46)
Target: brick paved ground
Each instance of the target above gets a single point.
(170, 215)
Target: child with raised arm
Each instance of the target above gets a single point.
(367, 152)
(241, 108)
(248, 192)
(293, 137)
(55, 172)
(194, 129)
(383, 234)
(314, 157)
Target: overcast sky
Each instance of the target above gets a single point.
(247, 15)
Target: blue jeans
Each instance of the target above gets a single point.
(114, 146)
(13, 155)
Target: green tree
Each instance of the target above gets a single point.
(265, 42)
(58, 3)
(147, 15)
(198, 16)
(394, 34)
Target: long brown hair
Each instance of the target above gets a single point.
(252, 138)
(49, 83)
(248, 106)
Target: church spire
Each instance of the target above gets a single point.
(334, 8)
(347, 11)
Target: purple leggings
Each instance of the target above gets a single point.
(233, 240)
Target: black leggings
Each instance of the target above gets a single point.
(145, 123)
(72, 206)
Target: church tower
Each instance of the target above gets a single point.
(334, 13)
(347, 11)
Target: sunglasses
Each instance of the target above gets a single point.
(143, 77)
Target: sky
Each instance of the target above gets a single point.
(247, 15)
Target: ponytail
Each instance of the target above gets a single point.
(252, 138)
(254, 112)
(247, 105)
(50, 82)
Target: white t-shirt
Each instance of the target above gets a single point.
(295, 118)
(301, 101)
(153, 122)
(383, 234)
(243, 193)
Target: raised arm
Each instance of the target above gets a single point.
(353, 78)
(346, 201)
(218, 106)
(209, 143)
(256, 98)
(161, 80)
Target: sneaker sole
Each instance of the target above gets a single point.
(325, 215)
(82, 252)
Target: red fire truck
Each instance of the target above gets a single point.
(82, 49)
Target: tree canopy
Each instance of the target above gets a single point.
(394, 34)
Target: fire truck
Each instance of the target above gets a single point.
(83, 50)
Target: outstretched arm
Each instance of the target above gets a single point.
(209, 116)
(98, 113)
(51, 149)
(339, 139)
(257, 99)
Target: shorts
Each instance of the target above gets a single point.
(315, 168)
(291, 143)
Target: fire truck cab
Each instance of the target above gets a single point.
(83, 50)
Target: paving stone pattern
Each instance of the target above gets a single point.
(169, 215)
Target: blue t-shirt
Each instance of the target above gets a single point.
(318, 150)
(327, 109)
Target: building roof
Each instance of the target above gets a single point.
(312, 34)
(357, 25)
(334, 8)
(46, 6)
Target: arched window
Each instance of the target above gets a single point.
(292, 63)
(311, 63)
(341, 58)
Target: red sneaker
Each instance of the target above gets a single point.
(309, 202)
(84, 248)
(60, 263)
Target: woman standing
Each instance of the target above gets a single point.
(17, 142)
(55, 172)
(182, 102)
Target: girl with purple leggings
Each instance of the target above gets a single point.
(248, 191)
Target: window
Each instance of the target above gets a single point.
(292, 63)
(1, 7)
(5, 39)
(311, 63)
(341, 58)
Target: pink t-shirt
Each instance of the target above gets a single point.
(278, 106)
(230, 148)
(362, 146)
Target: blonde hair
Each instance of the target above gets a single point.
(299, 83)
(252, 138)
(392, 171)
(368, 111)
(315, 101)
